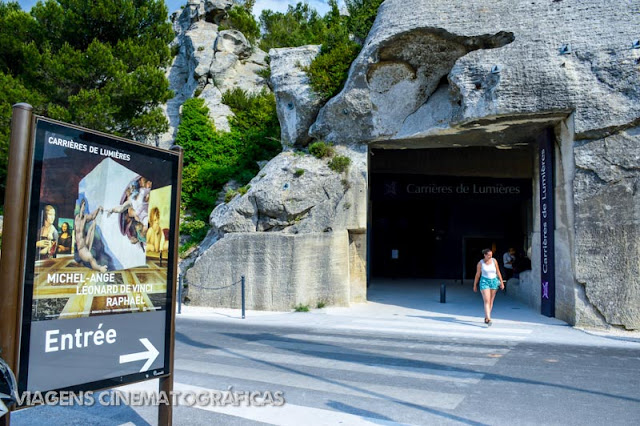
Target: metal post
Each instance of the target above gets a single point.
(13, 241)
(242, 285)
(179, 293)
(165, 384)
(443, 293)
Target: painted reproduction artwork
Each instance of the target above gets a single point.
(103, 229)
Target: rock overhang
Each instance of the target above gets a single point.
(501, 132)
(500, 58)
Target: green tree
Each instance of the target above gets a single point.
(362, 14)
(341, 38)
(298, 26)
(240, 18)
(212, 158)
(11, 92)
(330, 69)
(95, 63)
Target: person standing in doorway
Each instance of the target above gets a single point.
(489, 277)
(508, 260)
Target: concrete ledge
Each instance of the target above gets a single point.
(281, 271)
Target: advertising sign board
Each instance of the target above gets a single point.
(99, 260)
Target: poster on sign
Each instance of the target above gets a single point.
(98, 264)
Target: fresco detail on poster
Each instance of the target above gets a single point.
(94, 255)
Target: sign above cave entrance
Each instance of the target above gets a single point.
(419, 187)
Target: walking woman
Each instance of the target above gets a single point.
(490, 279)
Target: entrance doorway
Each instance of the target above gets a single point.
(431, 214)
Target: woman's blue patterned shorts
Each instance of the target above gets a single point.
(489, 283)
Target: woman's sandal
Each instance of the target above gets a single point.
(488, 322)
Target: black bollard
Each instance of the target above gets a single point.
(443, 293)
(242, 297)
(179, 293)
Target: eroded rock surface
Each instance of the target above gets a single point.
(492, 58)
(298, 194)
(429, 69)
(297, 104)
(607, 210)
(209, 63)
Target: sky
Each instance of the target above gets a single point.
(276, 5)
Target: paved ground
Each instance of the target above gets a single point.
(402, 358)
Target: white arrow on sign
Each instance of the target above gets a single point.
(150, 355)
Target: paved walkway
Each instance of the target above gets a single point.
(412, 307)
(403, 319)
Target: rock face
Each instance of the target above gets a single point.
(209, 63)
(298, 194)
(429, 69)
(200, 10)
(607, 209)
(298, 233)
(493, 58)
(297, 104)
(277, 271)
(437, 74)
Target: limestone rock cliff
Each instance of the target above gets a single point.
(209, 63)
(430, 68)
(477, 73)
(297, 104)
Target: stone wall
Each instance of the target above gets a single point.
(607, 215)
(299, 235)
(281, 270)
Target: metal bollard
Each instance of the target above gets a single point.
(179, 293)
(443, 293)
(243, 297)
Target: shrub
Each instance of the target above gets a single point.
(340, 163)
(301, 308)
(329, 70)
(265, 73)
(184, 248)
(362, 14)
(298, 172)
(244, 189)
(196, 229)
(321, 304)
(229, 195)
(212, 158)
(321, 149)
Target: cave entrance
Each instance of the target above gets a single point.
(432, 210)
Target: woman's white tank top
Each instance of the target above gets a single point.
(489, 271)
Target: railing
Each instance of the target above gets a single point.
(242, 292)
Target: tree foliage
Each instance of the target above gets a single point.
(341, 38)
(240, 18)
(298, 26)
(329, 70)
(95, 63)
(362, 14)
(212, 158)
